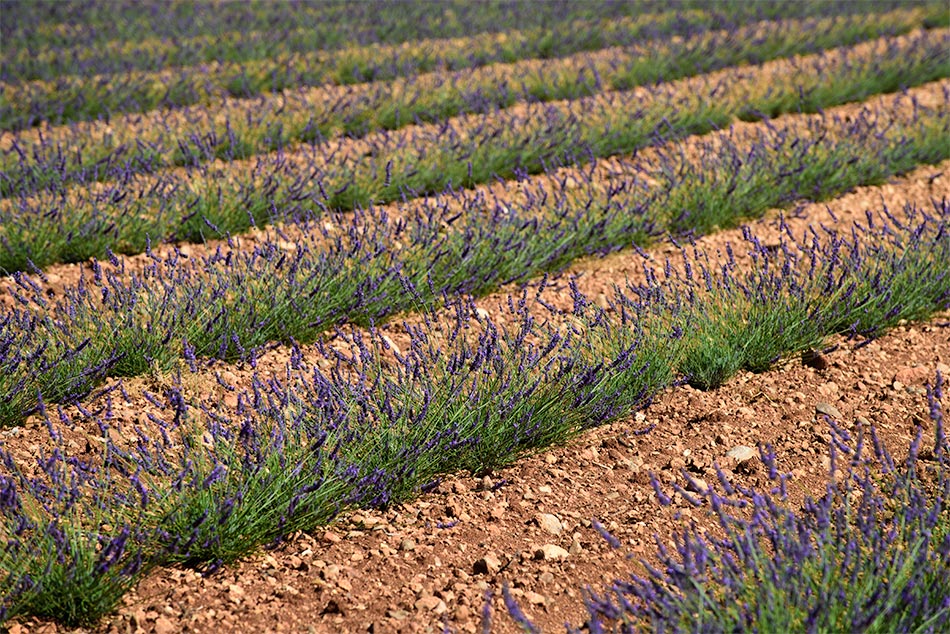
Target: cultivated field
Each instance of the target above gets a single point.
(474, 317)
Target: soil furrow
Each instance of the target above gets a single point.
(751, 82)
(475, 350)
(28, 441)
(597, 277)
(359, 109)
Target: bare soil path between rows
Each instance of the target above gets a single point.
(754, 81)
(595, 277)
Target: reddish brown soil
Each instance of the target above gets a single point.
(753, 80)
(127, 127)
(596, 277)
(130, 125)
(399, 571)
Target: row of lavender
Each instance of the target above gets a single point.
(231, 302)
(77, 97)
(355, 423)
(71, 97)
(74, 224)
(83, 38)
(120, 147)
(86, 38)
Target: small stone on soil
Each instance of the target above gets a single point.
(489, 564)
(164, 626)
(549, 523)
(814, 359)
(828, 410)
(914, 375)
(741, 454)
(534, 598)
(551, 552)
(432, 603)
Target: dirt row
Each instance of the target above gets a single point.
(129, 127)
(401, 571)
(155, 47)
(595, 277)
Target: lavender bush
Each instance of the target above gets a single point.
(75, 536)
(126, 36)
(805, 287)
(202, 484)
(94, 88)
(177, 309)
(364, 425)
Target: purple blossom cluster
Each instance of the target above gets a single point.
(65, 222)
(354, 420)
(137, 40)
(105, 80)
(233, 129)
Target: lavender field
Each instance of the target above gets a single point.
(272, 266)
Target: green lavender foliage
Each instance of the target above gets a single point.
(120, 325)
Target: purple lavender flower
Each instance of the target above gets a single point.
(600, 528)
